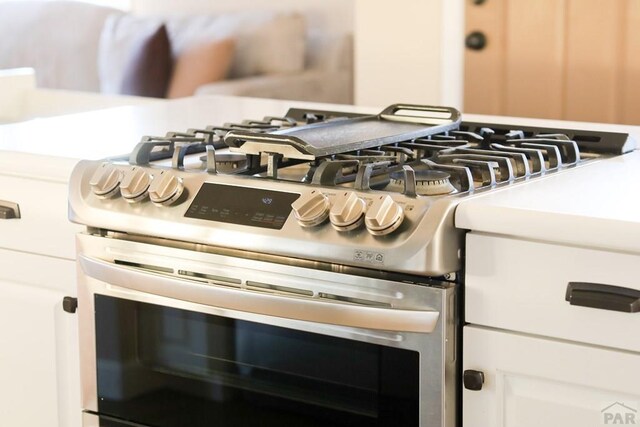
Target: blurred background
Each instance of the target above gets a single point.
(560, 59)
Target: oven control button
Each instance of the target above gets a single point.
(347, 212)
(384, 216)
(311, 209)
(105, 181)
(135, 184)
(165, 188)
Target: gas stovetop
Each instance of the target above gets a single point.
(374, 191)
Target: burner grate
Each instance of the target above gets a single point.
(472, 156)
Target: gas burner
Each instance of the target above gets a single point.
(229, 162)
(427, 182)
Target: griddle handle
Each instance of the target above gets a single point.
(605, 297)
(236, 138)
(425, 114)
(257, 143)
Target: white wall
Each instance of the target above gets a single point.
(409, 51)
(330, 15)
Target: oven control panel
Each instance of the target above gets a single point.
(345, 210)
(242, 205)
(333, 224)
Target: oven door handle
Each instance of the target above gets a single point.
(304, 309)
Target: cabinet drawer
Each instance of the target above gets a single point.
(521, 286)
(43, 227)
(531, 382)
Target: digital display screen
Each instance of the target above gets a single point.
(241, 205)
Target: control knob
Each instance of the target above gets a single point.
(347, 212)
(384, 216)
(135, 184)
(165, 188)
(105, 181)
(311, 209)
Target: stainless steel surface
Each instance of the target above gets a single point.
(9, 210)
(399, 122)
(315, 309)
(429, 240)
(437, 360)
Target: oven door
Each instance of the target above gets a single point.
(175, 337)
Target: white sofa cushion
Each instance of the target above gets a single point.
(265, 42)
(58, 39)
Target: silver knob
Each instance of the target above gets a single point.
(165, 188)
(347, 212)
(135, 184)
(384, 216)
(311, 209)
(105, 181)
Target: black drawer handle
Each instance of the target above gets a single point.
(606, 297)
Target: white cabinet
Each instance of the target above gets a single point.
(545, 361)
(530, 381)
(43, 227)
(522, 286)
(39, 378)
(39, 375)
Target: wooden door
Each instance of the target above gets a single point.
(559, 59)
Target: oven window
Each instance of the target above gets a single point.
(162, 366)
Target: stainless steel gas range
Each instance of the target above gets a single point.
(297, 270)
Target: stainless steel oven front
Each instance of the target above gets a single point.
(174, 334)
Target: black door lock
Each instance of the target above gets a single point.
(476, 40)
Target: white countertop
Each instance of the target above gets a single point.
(594, 205)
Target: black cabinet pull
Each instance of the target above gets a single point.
(473, 380)
(605, 297)
(70, 304)
(9, 210)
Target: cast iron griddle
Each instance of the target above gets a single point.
(396, 123)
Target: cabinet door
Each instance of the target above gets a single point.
(43, 227)
(39, 378)
(557, 59)
(531, 381)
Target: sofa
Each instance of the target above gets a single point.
(84, 47)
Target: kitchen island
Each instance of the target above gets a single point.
(573, 212)
(551, 275)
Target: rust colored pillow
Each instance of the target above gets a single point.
(202, 63)
(134, 57)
